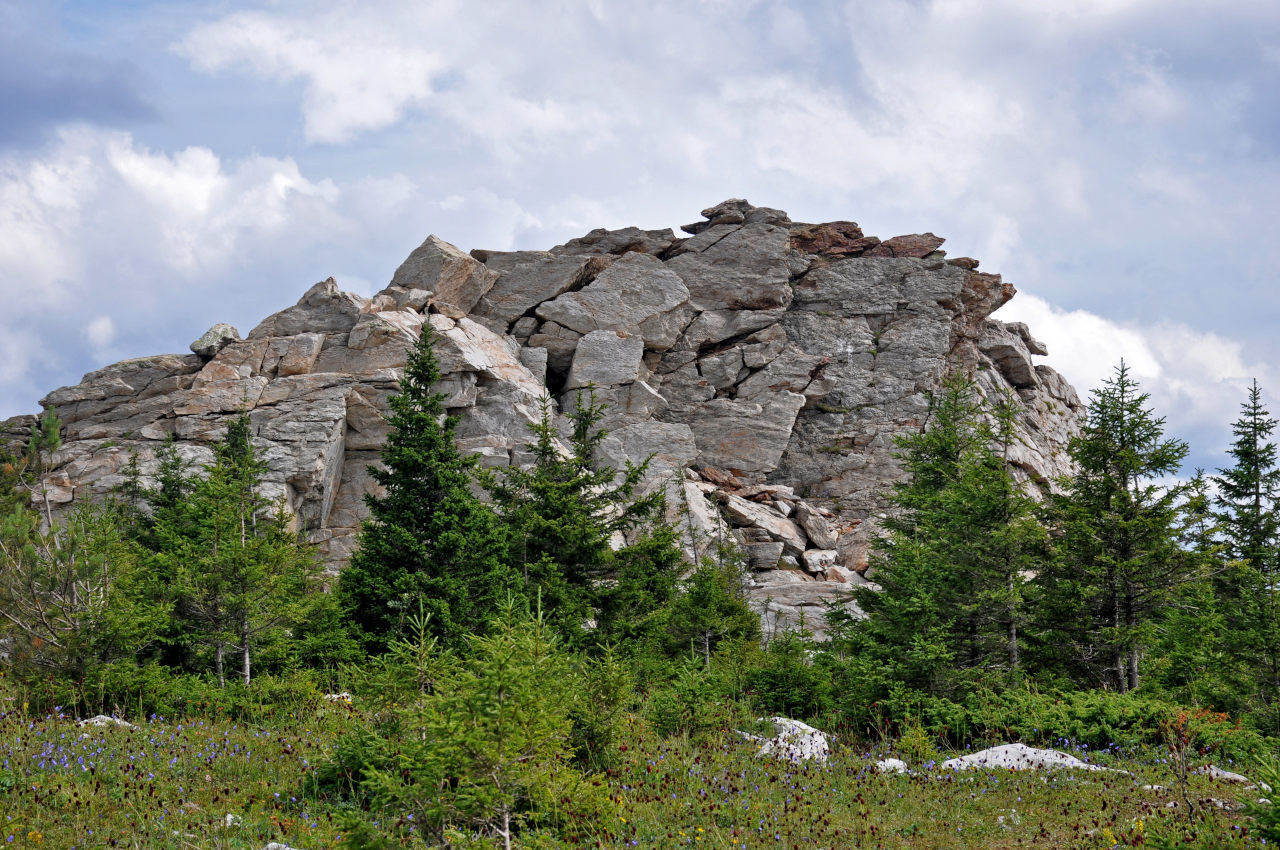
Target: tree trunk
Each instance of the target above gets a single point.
(1013, 624)
(1117, 655)
(505, 832)
(217, 663)
(1130, 622)
(244, 647)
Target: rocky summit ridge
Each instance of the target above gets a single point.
(765, 364)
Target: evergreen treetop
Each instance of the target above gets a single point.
(429, 539)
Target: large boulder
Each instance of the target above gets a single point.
(452, 280)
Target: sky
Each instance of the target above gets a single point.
(168, 165)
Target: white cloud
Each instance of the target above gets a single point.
(96, 193)
(358, 76)
(367, 66)
(101, 332)
(101, 238)
(1196, 378)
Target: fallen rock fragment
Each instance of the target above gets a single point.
(215, 339)
(892, 766)
(792, 741)
(105, 720)
(1019, 757)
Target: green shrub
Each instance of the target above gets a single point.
(1095, 720)
(141, 690)
(696, 703)
(787, 682)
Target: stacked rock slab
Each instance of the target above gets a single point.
(765, 366)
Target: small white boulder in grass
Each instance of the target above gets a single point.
(1018, 757)
(105, 720)
(1214, 772)
(792, 740)
(342, 697)
(892, 766)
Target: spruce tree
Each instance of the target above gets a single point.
(429, 542)
(1196, 658)
(954, 548)
(1119, 560)
(1248, 492)
(239, 574)
(565, 510)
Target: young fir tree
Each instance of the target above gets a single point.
(491, 743)
(563, 512)
(1119, 560)
(429, 541)
(1194, 661)
(70, 595)
(711, 607)
(1248, 492)
(954, 550)
(240, 575)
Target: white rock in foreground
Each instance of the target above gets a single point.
(1215, 772)
(795, 741)
(104, 720)
(1018, 757)
(892, 766)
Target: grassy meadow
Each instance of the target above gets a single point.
(209, 783)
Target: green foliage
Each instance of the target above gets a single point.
(695, 703)
(599, 715)
(957, 543)
(134, 690)
(787, 682)
(711, 608)
(1118, 561)
(488, 746)
(239, 575)
(1097, 721)
(429, 541)
(69, 595)
(563, 512)
(916, 745)
(46, 438)
(1248, 492)
(632, 606)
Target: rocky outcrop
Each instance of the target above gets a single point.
(765, 365)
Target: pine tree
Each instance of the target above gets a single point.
(1249, 489)
(239, 574)
(1248, 492)
(711, 607)
(1119, 560)
(69, 594)
(955, 546)
(429, 539)
(564, 511)
(1196, 661)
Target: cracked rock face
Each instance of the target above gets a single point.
(765, 365)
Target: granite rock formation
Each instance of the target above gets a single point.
(765, 365)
